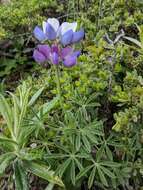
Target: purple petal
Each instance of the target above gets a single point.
(66, 51)
(38, 56)
(54, 58)
(77, 36)
(66, 39)
(55, 49)
(39, 34)
(76, 53)
(45, 50)
(50, 32)
(70, 61)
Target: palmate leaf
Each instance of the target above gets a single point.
(44, 172)
(5, 160)
(20, 176)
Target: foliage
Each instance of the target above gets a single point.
(15, 137)
(97, 142)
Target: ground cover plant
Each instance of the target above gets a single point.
(71, 95)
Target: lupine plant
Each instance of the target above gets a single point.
(14, 142)
(61, 39)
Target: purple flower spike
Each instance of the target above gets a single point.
(39, 34)
(66, 39)
(39, 57)
(77, 36)
(54, 58)
(70, 61)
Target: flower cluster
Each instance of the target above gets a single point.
(62, 37)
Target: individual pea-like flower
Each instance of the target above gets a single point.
(69, 56)
(69, 35)
(41, 53)
(49, 31)
(52, 30)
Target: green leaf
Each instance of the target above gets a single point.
(79, 165)
(44, 172)
(86, 143)
(5, 160)
(78, 141)
(100, 153)
(36, 96)
(83, 172)
(110, 164)
(63, 167)
(133, 40)
(102, 177)
(20, 176)
(109, 153)
(4, 139)
(15, 112)
(107, 172)
(72, 172)
(92, 137)
(47, 107)
(55, 156)
(91, 177)
(6, 112)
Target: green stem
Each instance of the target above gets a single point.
(58, 84)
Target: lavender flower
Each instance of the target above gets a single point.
(49, 32)
(42, 53)
(45, 53)
(66, 32)
(67, 55)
